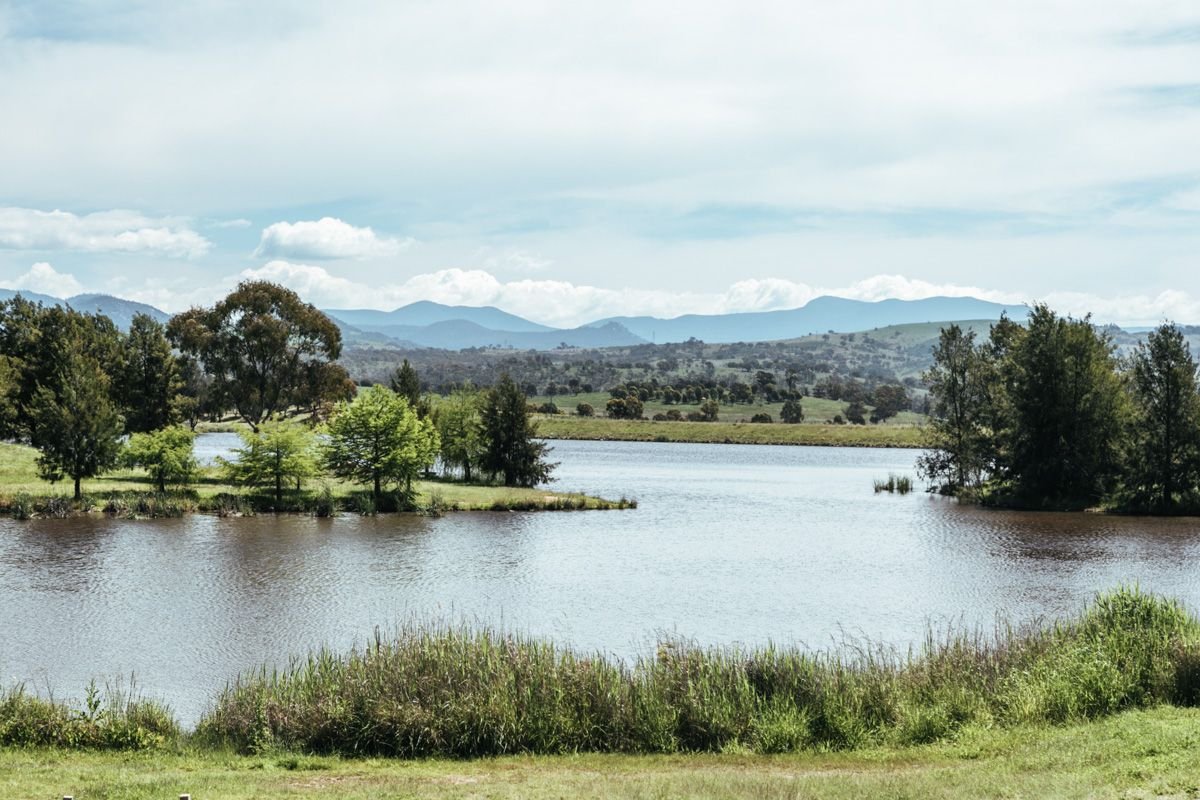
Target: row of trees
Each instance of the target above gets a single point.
(1047, 415)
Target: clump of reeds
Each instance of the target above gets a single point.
(115, 719)
(897, 484)
(454, 691)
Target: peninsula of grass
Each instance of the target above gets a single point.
(131, 493)
(892, 434)
(1099, 704)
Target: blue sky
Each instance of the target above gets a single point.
(569, 161)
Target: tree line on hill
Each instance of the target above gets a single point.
(1046, 415)
(89, 398)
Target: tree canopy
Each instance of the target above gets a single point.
(510, 450)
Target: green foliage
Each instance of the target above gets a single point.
(585, 410)
(463, 693)
(406, 383)
(510, 450)
(459, 428)
(261, 347)
(1163, 459)
(114, 720)
(74, 423)
(959, 436)
(792, 412)
(377, 440)
(709, 411)
(856, 413)
(278, 456)
(762, 418)
(166, 454)
(148, 381)
(627, 407)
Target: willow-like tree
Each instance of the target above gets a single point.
(166, 454)
(1163, 458)
(511, 450)
(258, 347)
(276, 457)
(460, 430)
(958, 435)
(378, 440)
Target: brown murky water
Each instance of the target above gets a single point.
(730, 544)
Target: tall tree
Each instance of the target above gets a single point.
(1164, 455)
(257, 345)
(956, 456)
(74, 423)
(148, 382)
(407, 383)
(510, 449)
(378, 440)
(1068, 412)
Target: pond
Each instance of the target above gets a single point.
(730, 544)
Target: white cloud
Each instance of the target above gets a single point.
(100, 232)
(229, 223)
(44, 279)
(326, 238)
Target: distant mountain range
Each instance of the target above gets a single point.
(434, 325)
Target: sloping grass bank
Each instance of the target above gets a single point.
(814, 434)
(464, 693)
(1134, 754)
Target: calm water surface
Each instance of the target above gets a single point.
(729, 544)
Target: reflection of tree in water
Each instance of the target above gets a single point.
(56, 555)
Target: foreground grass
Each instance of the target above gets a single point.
(127, 491)
(1135, 754)
(891, 434)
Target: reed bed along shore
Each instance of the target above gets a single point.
(460, 692)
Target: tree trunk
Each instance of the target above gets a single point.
(378, 487)
(78, 494)
(278, 489)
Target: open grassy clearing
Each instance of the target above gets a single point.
(1136, 754)
(597, 428)
(19, 481)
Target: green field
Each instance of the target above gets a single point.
(1136, 754)
(18, 476)
(564, 426)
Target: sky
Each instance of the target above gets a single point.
(569, 161)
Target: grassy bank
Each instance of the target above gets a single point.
(130, 493)
(1134, 754)
(892, 434)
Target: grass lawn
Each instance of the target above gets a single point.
(1135, 754)
(564, 426)
(18, 475)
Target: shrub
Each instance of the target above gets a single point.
(585, 410)
(547, 408)
(761, 418)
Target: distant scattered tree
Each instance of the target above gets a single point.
(257, 346)
(377, 440)
(585, 410)
(148, 382)
(792, 412)
(1164, 453)
(278, 455)
(856, 413)
(74, 423)
(709, 411)
(628, 407)
(761, 417)
(548, 408)
(889, 400)
(510, 449)
(165, 453)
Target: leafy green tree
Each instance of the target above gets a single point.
(856, 413)
(276, 456)
(792, 412)
(709, 410)
(165, 453)
(889, 399)
(459, 430)
(958, 445)
(1068, 411)
(585, 410)
(74, 423)
(510, 449)
(148, 382)
(1163, 458)
(257, 346)
(377, 440)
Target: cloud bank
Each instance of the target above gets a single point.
(44, 279)
(326, 238)
(100, 232)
